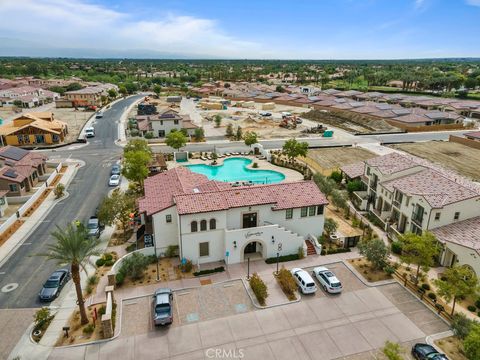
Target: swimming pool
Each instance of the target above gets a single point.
(235, 169)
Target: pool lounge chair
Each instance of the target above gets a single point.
(203, 158)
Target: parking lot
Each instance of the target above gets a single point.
(350, 325)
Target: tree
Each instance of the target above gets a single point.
(239, 134)
(134, 266)
(355, 185)
(123, 90)
(112, 93)
(471, 344)
(73, 246)
(250, 138)
(176, 140)
(292, 148)
(131, 87)
(336, 176)
(375, 251)
(199, 134)
(218, 120)
(74, 86)
(229, 131)
(330, 226)
(157, 89)
(325, 184)
(459, 281)
(135, 166)
(339, 199)
(117, 207)
(137, 145)
(17, 103)
(419, 250)
(279, 88)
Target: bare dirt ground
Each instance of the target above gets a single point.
(327, 160)
(350, 121)
(6, 112)
(454, 156)
(75, 120)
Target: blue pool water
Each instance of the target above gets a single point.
(235, 169)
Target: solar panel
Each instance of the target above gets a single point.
(14, 153)
(10, 173)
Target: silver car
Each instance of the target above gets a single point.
(328, 280)
(163, 307)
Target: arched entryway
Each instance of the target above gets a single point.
(255, 250)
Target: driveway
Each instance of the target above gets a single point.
(353, 325)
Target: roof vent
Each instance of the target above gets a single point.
(196, 190)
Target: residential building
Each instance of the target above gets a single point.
(34, 129)
(212, 221)
(20, 170)
(162, 123)
(90, 95)
(28, 95)
(408, 194)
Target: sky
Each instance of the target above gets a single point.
(245, 29)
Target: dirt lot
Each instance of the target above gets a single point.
(6, 112)
(327, 160)
(75, 120)
(350, 121)
(457, 157)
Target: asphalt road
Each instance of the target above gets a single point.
(86, 190)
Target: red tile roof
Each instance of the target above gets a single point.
(354, 170)
(194, 193)
(391, 163)
(464, 233)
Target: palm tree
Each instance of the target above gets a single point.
(73, 247)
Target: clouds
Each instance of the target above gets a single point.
(473, 2)
(75, 23)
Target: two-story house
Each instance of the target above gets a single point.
(162, 123)
(407, 194)
(213, 221)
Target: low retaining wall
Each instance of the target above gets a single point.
(464, 141)
(424, 128)
(145, 251)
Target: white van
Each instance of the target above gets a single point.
(304, 281)
(89, 132)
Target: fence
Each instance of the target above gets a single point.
(438, 305)
(464, 141)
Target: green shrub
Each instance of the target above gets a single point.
(471, 344)
(461, 325)
(255, 165)
(102, 310)
(172, 251)
(396, 247)
(100, 262)
(259, 288)
(389, 269)
(287, 283)
(148, 135)
(109, 263)
(472, 308)
(283, 258)
(209, 271)
(41, 316)
(432, 296)
(425, 286)
(119, 278)
(92, 280)
(107, 256)
(152, 259)
(300, 252)
(134, 266)
(336, 176)
(186, 267)
(477, 303)
(131, 247)
(335, 251)
(88, 329)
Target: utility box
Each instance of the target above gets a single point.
(328, 133)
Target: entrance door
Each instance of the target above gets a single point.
(251, 248)
(249, 220)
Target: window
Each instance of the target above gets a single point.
(437, 216)
(39, 139)
(289, 214)
(368, 170)
(203, 225)
(168, 218)
(161, 122)
(13, 187)
(213, 224)
(456, 216)
(320, 210)
(55, 138)
(312, 210)
(194, 226)
(204, 250)
(175, 122)
(304, 211)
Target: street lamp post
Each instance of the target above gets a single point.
(278, 256)
(248, 268)
(156, 257)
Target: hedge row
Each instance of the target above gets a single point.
(335, 251)
(209, 271)
(283, 258)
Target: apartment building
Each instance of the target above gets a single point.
(162, 123)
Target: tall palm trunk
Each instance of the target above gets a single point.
(453, 307)
(75, 268)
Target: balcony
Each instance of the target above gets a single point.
(360, 199)
(417, 219)
(378, 219)
(393, 232)
(397, 204)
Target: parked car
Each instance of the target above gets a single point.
(52, 287)
(89, 132)
(114, 180)
(427, 352)
(328, 280)
(299, 120)
(304, 281)
(99, 115)
(265, 113)
(93, 227)
(163, 307)
(116, 169)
